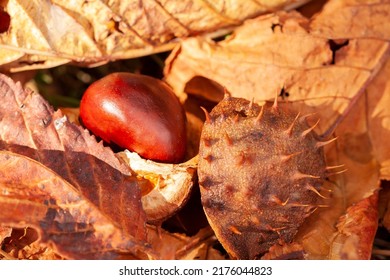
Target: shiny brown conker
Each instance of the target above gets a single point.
(136, 112)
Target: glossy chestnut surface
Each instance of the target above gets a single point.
(136, 112)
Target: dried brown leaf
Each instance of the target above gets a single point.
(274, 52)
(30, 127)
(353, 19)
(23, 244)
(384, 205)
(356, 230)
(340, 76)
(378, 117)
(356, 150)
(95, 32)
(34, 196)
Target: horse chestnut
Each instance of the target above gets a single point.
(136, 112)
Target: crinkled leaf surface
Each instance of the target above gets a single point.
(44, 33)
(335, 65)
(34, 196)
(30, 128)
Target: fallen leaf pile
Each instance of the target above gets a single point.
(320, 69)
(63, 194)
(44, 33)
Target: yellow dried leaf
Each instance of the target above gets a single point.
(44, 33)
(273, 52)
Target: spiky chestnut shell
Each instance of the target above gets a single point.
(260, 171)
